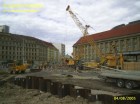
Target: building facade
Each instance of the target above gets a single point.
(4, 28)
(24, 49)
(126, 39)
(61, 48)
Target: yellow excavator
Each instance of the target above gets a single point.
(13, 68)
(70, 62)
(113, 60)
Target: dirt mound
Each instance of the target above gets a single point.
(12, 94)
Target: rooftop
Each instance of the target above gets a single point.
(121, 30)
(17, 37)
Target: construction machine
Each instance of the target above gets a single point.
(70, 62)
(84, 29)
(14, 68)
(77, 59)
(113, 60)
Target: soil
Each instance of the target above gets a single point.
(12, 94)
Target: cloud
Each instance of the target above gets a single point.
(53, 24)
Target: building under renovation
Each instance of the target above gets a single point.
(28, 49)
(126, 39)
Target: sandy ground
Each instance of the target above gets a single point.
(12, 94)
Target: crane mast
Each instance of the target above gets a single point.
(109, 59)
(84, 29)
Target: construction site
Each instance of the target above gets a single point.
(104, 68)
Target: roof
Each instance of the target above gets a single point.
(21, 37)
(126, 30)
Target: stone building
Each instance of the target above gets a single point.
(126, 39)
(24, 49)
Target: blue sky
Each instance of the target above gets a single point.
(53, 24)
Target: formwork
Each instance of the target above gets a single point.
(63, 89)
(28, 82)
(79, 91)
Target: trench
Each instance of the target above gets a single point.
(64, 89)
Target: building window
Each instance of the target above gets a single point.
(2, 47)
(122, 47)
(110, 47)
(2, 57)
(106, 47)
(128, 44)
(135, 44)
(6, 47)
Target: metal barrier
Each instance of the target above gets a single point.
(42, 84)
(64, 89)
(54, 88)
(79, 91)
(35, 82)
(23, 82)
(48, 84)
(28, 82)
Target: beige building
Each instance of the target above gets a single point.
(126, 38)
(28, 49)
